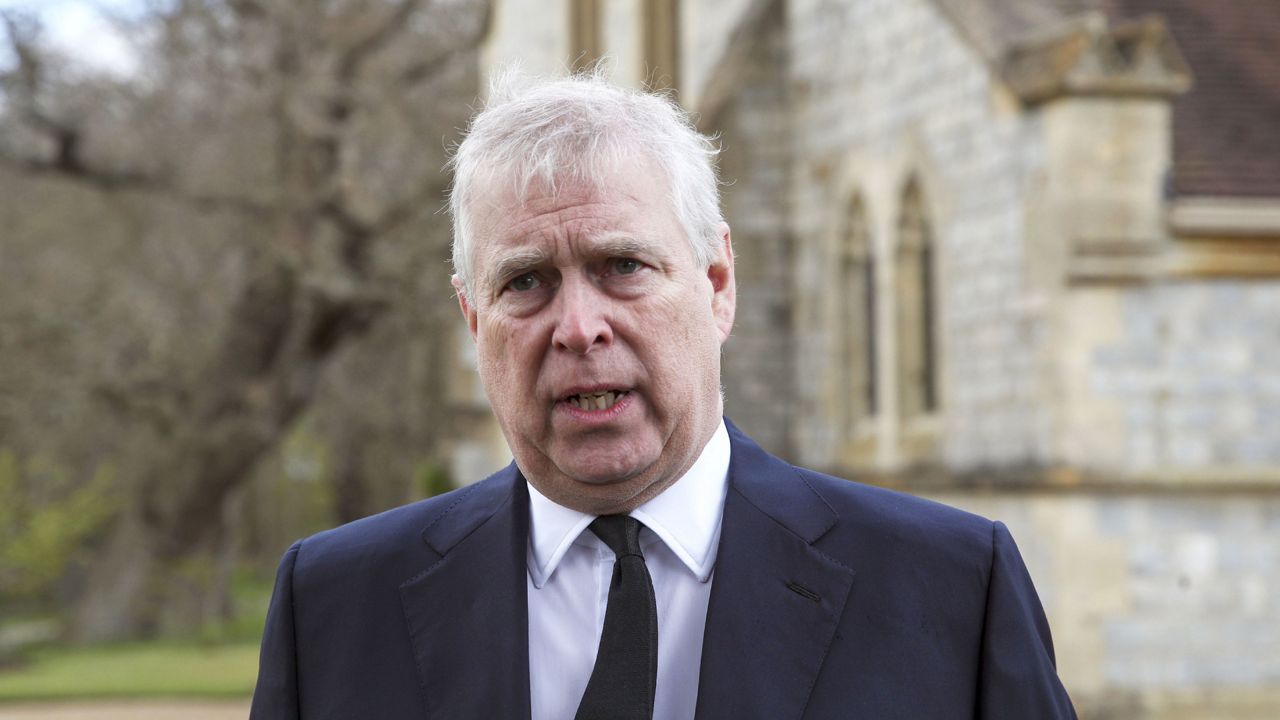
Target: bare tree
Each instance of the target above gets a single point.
(314, 127)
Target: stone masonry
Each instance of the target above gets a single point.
(886, 90)
(1115, 406)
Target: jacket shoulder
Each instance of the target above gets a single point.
(407, 536)
(848, 519)
(901, 523)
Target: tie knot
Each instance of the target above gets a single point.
(620, 532)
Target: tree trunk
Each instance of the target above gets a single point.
(320, 89)
(115, 586)
(351, 487)
(282, 335)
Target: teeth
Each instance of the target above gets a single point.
(596, 401)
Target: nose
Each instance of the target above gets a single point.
(581, 323)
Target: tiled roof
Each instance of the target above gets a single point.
(992, 25)
(1227, 129)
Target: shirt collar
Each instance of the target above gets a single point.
(686, 516)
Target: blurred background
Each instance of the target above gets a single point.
(1022, 256)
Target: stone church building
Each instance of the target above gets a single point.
(1022, 256)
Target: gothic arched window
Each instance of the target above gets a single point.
(586, 45)
(656, 25)
(662, 44)
(916, 289)
(856, 319)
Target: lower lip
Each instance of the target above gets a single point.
(596, 416)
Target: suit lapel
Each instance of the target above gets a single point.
(775, 600)
(467, 613)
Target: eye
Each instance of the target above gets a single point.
(524, 283)
(625, 266)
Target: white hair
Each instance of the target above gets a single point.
(537, 133)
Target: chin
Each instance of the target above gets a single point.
(607, 463)
(601, 476)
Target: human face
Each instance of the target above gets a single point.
(598, 337)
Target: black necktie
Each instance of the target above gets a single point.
(626, 671)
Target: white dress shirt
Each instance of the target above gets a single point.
(569, 575)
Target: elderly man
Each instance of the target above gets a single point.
(641, 558)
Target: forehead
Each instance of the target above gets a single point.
(573, 216)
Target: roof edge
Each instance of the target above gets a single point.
(1225, 216)
(723, 79)
(1090, 56)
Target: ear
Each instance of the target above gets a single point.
(468, 312)
(723, 289)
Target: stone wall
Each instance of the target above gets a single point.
(1160, 578)
(883, 90)
(1162, 605)
(706, 27)
(757, 364)
(1174, 381)
(532, 34)
(1152, 401)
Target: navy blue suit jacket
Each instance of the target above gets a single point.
(830, 599)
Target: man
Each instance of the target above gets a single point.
(641, 557)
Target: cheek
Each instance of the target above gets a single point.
(684, 348)
(506, 354)
(689, 324)
(495, 338)
(492, 346)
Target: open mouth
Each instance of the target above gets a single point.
(596, 400)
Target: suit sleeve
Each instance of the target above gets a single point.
(1018, 677)
(276, 695)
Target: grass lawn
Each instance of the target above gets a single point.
(144, 670)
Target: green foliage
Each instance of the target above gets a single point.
(431, 478)
(221, 660)
(300, 497)
(250, 595)
(46, 517)
(143, 670)
(306, 456)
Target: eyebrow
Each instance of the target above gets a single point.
(619, 245)
(517, 263)
(523, 260)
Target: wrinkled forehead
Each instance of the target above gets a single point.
(502, 196)
(498, 194)
(628, 215)
(525, 179)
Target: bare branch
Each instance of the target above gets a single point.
(22, 29)
(445, 52)
(375, 39)
(67, 158)
(336, 210)
(151, 400)
(340, 311)
(249, 9)
(410, 206)
(127, 25)
(66, 162)
(420, 71)
(26, 78)
(73, 168)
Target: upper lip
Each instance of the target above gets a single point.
(591, 390)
